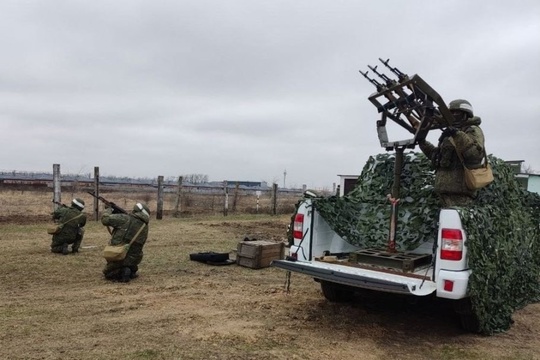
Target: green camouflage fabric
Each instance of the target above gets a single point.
(124, 228)
(503, 239)
(72, 232)
(449, 179)
(362, 217)
(502, 226)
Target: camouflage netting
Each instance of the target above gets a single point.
(502, 226)
(362, 217)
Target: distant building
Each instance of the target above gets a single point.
(530, 182)
(347, 183)
(246, 183)
(515, 165)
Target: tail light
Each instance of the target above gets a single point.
(292, 257)
(298, 226)
(452, 244)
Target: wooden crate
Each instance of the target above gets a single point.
(259, 253)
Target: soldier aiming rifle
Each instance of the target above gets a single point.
(70, 229)
(116, 209)
(129, 230)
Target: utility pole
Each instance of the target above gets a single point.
(284, 177)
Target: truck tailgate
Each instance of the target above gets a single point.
(359, 277)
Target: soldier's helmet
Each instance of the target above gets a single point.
(78, 203)
(140, 207)
(462, 105)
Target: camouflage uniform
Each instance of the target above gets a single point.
(449, 178)
(125, 227)
(72, 231)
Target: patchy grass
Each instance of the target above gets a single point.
(59, 307)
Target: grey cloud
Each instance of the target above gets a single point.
(245, 89)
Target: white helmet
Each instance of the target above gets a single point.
(78, 203)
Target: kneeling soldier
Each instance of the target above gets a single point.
(71, 221)
(126, 229)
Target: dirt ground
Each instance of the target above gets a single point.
(60, 307)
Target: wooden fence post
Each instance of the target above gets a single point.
(96, 192)
(235, 197)
(258, 194)
(178, 203)
(159, 212)
(57, 185)
(226, 205)
(274, 199)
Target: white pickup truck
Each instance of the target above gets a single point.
(438, 268)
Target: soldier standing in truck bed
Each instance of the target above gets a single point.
(468, 139)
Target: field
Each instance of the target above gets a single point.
(59, 307)
(22, 202)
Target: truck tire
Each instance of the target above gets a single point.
(336, 293)
(469, 323)
(468, 319)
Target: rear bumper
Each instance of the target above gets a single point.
(460, 280)
(358, 277)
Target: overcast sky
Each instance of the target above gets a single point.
(247, 89)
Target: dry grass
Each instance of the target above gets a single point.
(59, 307)
(37, 204)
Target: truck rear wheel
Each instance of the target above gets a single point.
(469, 322)
(336, 293)
(468, 319)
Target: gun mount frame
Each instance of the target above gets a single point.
(405, 101)
(412, 104)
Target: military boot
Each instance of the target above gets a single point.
(125, 276)
(134, 270)
(65, 249)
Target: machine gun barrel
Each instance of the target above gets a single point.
(377, 84)
(116, 209)
(389, 82)
(59, 203)
(401, 75)
(398, 102)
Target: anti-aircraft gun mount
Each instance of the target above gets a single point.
(412, 104)
(409, 102)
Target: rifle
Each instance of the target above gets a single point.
(398, 102)
(59, 203)
(377, 84)
(389, 82)
(116, 209)
(402, 77)
(410, 102)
